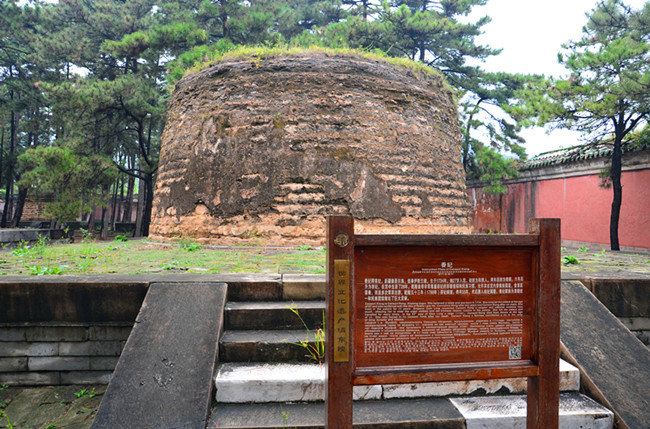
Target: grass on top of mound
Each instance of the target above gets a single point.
(209, 56)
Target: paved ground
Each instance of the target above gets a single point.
(598, 262)
(51, 407)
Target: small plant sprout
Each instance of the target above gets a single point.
(315, 347)
(583, 249)
(190, 246)
(85, 393)
(39, 270)
(284, 414)
(570, 260)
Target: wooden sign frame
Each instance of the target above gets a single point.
(541, 366)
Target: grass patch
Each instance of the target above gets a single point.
(260, 53)
(144, 256)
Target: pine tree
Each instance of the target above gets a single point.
(606, 95)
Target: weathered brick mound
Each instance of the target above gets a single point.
(261, 150)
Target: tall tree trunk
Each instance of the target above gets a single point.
(20, 205)
(617, 187)
(2, 150)
(10, 169)
(140, 208)
(148, 203)
(128, 216)
(103, 232)
(91, 220)
(114, 208)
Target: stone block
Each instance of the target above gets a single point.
(636, 323)
(29, 378)
(56, 333)
(623, 297)
(12, 333)
(13, 364)
(91, 348)
(103, 363)
(28, 349)
(86, 377)
(263, 315)
(509, 412)
(58, 363)
(437, 413)
(109, 333)
(569, 381)
(302, 287)
(240, 383)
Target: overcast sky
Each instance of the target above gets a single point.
(531, 33)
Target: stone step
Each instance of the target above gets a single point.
(266, 346)
(484, 412)
(283, 382)
(273, 315)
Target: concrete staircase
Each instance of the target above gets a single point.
(265, 380)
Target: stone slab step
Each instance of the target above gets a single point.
(486, 412)
(263, 382)
(165, 373)
(265, 346)
(273, 315)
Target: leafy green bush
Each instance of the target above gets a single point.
(121, 238)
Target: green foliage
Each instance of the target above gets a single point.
(3, 415)
(570, 260)
(583, 249)
(314, 347)
(189, 246)
(40, 270)
(303, 247)
(606, 95)
(121, 238)
(76, 182)
(85, 393)
(25, 249)
(92, 79)
(491, 167)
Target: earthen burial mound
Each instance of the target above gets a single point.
(261, 150)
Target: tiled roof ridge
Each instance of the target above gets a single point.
(579, 153)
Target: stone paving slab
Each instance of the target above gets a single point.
(614, 364)
(509, 412)
(164, 376)
(434, 413)
(38, 407)
(479, 412)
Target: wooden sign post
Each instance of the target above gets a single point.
(432, 308)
